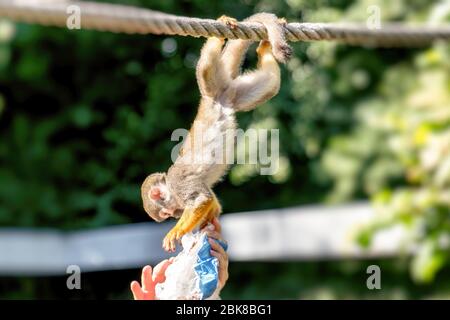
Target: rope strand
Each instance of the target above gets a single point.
(127, 19)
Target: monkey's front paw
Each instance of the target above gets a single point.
(170, 240)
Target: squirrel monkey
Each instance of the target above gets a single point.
(184, 192)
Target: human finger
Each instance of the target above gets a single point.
(136, 289)
(159, 272)
(146, 279)
(214, 234)
(217, 225)
(215, 246)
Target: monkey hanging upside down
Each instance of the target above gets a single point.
(184, 192)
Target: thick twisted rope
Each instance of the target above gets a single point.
(127, 19)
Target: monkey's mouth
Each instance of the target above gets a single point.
(177, 213)
(172, 213)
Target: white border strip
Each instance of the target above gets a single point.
(303, 233)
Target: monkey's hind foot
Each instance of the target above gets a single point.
(282, 52)
(265, 53)
(264, 48)
(230, 22)
(282, 21)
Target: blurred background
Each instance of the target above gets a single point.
(86, 115)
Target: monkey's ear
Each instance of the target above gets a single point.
(151, 180)
(155, 193)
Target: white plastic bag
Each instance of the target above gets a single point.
(194, 274)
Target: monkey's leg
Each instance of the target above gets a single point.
(233, 56)
(191, 218)
(274, 26)
(234, 51)
(215, 211)
(258, 86)
(210, 73)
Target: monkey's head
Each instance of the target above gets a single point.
(158, 201)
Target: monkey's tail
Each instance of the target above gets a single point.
(274, 26)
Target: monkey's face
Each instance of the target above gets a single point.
(158, 201)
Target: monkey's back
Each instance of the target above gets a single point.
(207, 152)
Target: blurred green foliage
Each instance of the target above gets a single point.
(399, 153)
(85, 116)
(405, 161)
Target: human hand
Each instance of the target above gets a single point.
(149, 279)
(214, 231)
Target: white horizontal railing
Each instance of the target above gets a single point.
(301, 233)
